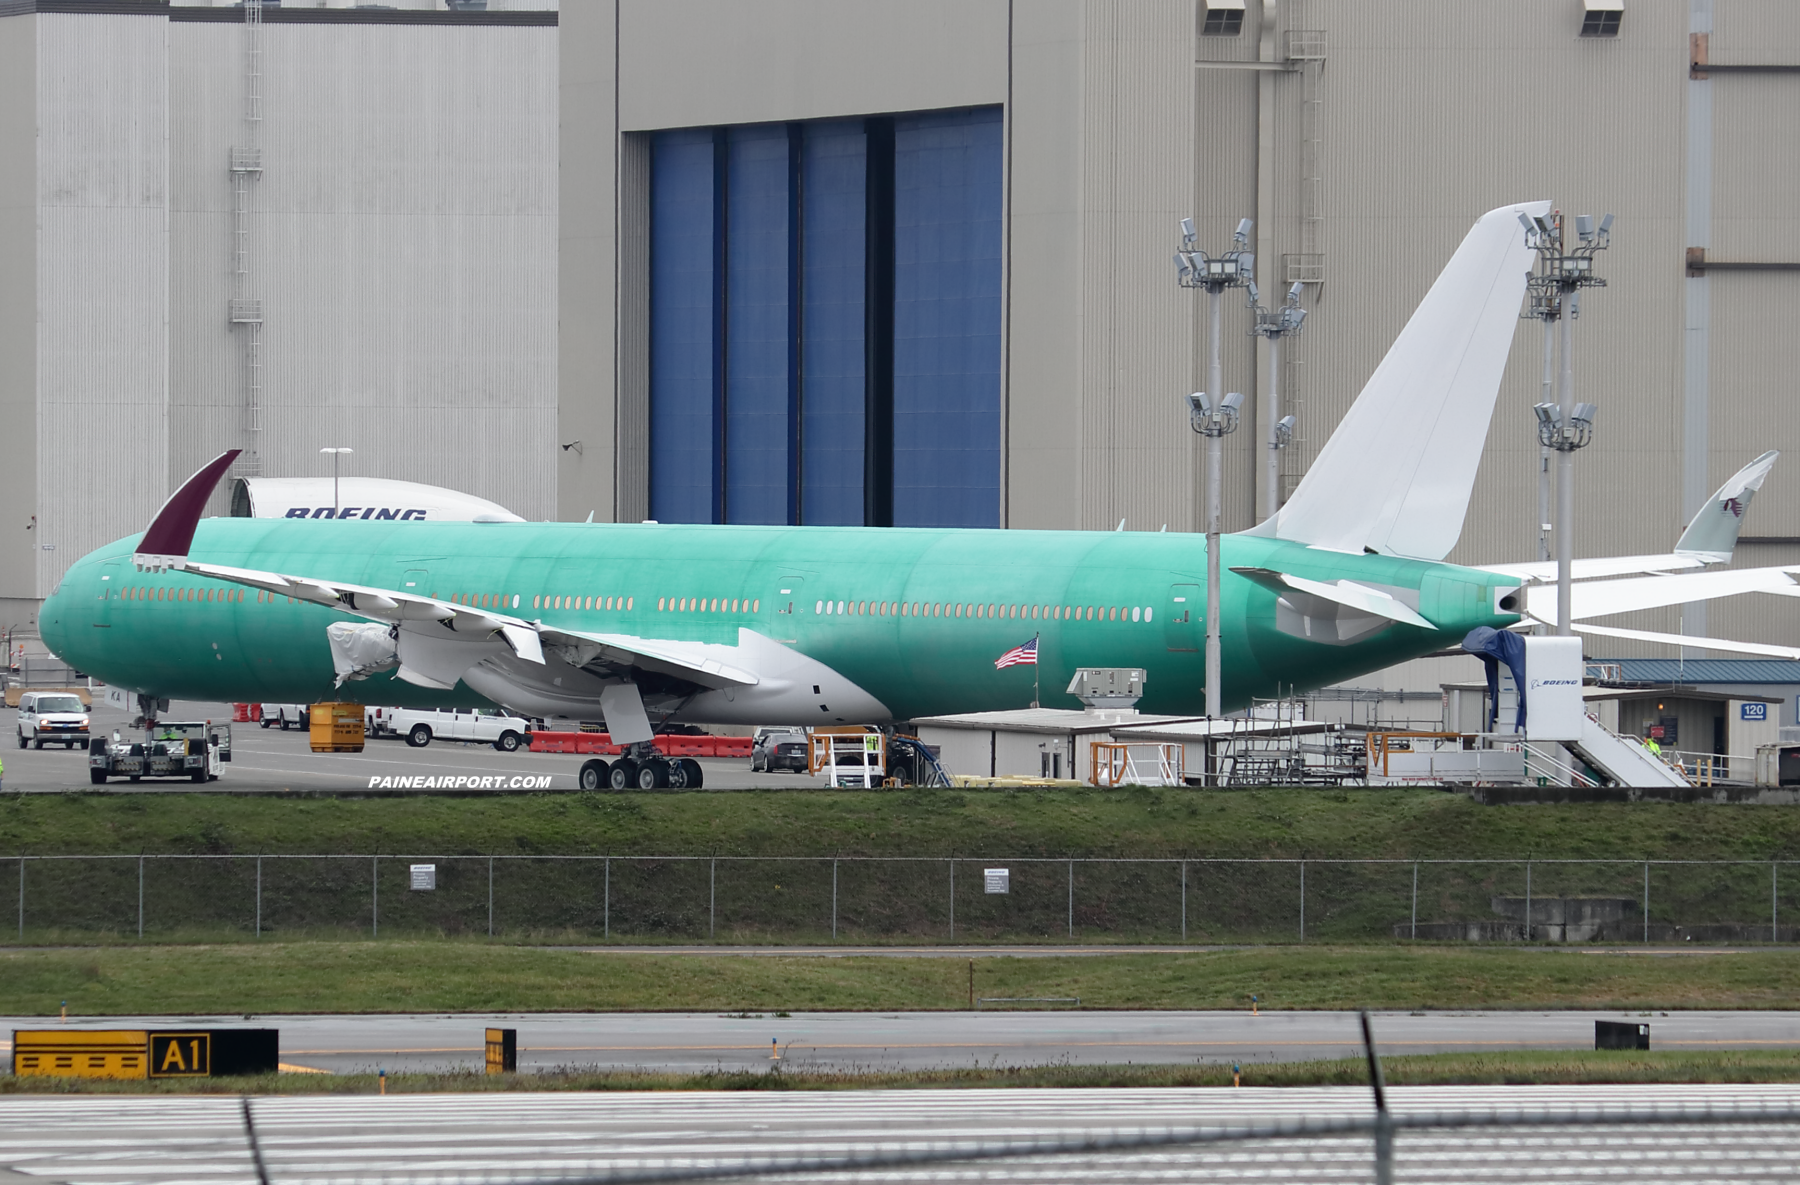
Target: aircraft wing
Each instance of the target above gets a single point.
(1710, 538)
(1602, 598)
(526, 639)
(1620, 565)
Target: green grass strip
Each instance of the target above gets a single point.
(443, 976)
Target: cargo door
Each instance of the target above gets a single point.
(1184, 620)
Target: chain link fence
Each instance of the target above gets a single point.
(900, 899)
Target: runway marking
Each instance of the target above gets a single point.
(285, 1068)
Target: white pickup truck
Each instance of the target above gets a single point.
(475, 726)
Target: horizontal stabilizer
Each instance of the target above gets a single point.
(1396, 475)
(1345, 592)
(1724, 644)
(1714, 532)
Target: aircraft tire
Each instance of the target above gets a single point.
(695, 777)
(624, 774)
(653, 775)
(508, 742)
(594, 775)
(419, 737)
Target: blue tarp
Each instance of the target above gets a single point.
(1494, 647)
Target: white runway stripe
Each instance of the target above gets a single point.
(120, 1140)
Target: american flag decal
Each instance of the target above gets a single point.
(1025, 655)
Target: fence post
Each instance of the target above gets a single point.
(606, 901)
(140, 897)
(834, 898)
(1774, 904)
(490, 896)
(952, 898)
(712, 898)
(1646, 902)
(1415, 903)
(1071, 899)
(1528, 899)
(259, 896)
(375, 896)
(1184, 900)
(21, 898)
(1302, 901)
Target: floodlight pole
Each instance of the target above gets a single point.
(1215, 497)
(1563, 426)
(337, 455)
(1275, 324)
(1549, 394)
(1565, 490)
(1214, 414)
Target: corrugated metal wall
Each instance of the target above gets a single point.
(403, 243)
(102, 282)
(18, 319)
(1137, 327)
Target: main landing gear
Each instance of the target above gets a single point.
(641, 767)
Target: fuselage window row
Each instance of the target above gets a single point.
(1030, 612)
(208, 596)
(708, 605)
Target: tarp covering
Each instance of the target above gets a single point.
(1494, 647)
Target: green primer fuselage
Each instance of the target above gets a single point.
(156, 632)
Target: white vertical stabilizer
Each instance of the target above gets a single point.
(1396, 475)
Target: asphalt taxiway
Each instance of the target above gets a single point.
(528, 1137)
(867, 1041)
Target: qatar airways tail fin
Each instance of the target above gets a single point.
(1396, 475)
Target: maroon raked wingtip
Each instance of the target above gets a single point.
(171, 533)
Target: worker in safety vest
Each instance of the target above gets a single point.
(1651, 744)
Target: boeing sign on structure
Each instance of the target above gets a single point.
(373, 499)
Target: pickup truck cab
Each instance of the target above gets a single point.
(52, 717)
(474, 726)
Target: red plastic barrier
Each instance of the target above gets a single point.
(240, 713)
(668, 746)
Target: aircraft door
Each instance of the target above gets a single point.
(112, 577)
(789, 592)
(1184, 621)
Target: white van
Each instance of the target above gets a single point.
(475, 726)
(53, 717)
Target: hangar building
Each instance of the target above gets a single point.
(860, 261)
(911, 263)
(333, 227)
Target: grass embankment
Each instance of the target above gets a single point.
(1446, 1069)
(470, 977)
(523, 895)
(1400, 824)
